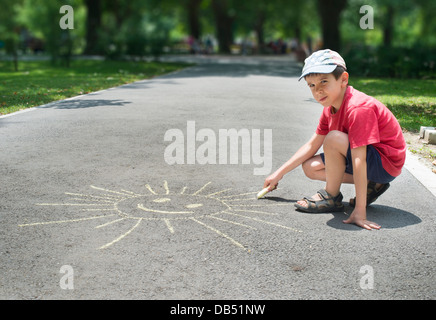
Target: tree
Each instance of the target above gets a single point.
(428, 29)
(193, 8)
(42, 19)
(330, 12)
(93, 21)
(8, 30)
(224, 18)
(396, 16)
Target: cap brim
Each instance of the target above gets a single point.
(318, 69)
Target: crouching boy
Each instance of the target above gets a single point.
(362, 141)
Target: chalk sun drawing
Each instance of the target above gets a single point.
(171, 207)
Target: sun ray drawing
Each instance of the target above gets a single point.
(201, 206)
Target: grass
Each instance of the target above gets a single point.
(424, 150)
(38, 82)
(412, 101)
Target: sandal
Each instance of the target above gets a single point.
(372, 193)
(327, 203)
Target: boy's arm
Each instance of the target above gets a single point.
(305, 152)
(358, 156)
(358, 216)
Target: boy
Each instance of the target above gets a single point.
(362, 143)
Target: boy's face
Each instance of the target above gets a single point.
(326, 89)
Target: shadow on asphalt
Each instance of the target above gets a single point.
(84, 103)
(387, 217)
(276, 199)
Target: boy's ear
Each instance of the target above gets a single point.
(344, 79)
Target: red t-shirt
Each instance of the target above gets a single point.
(367, 121)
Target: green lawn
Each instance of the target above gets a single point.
(412, 101)
(38, 82)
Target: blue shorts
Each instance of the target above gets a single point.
(375, 171)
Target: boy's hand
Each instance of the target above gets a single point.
(358, 217)
(272, 182)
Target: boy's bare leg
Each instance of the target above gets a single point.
(335, 151)
(333, 172)
(314, 169)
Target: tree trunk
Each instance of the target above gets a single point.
(223, 24)
(330, 11)
(388, 29)
(193, 18)
(93, 21)
(258, 27)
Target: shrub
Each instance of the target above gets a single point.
(398, 62)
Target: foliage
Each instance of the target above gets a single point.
(135, 28)
(41, 19)
(402, 62)
(146, 27)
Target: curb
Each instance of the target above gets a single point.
(421, 172)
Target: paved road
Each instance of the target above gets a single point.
(93, 208)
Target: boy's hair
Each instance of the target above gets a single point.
(336, 73)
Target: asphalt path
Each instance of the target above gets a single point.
(93, 207)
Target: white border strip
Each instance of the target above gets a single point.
(17, 112)
(421, 172)
(42, 106)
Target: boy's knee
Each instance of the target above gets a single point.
(335, 139)
(307, 168)
(310, 167)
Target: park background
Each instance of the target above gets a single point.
(117, 28)
(401, 41)
(116, 42)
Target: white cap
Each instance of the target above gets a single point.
(322, 61)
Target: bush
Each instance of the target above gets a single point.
(397, 62)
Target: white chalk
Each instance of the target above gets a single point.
(262, 193)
